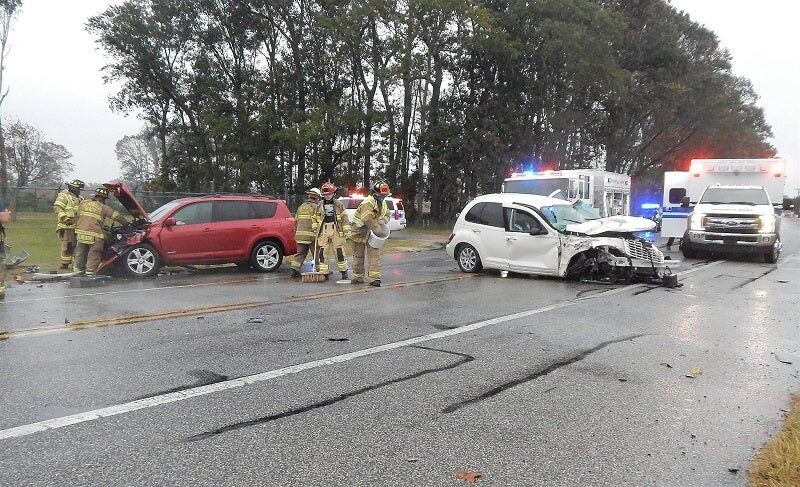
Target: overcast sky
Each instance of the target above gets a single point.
(56, 85)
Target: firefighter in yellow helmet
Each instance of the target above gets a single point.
(5, 217)
(371, 214)
(89, 231)
(334, 226)
(66, 210)
(306, 228)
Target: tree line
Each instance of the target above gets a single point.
(277, 95)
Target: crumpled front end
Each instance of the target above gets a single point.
(613, 260)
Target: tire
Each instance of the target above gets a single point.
(266, 256)
(687, 251)
(141, 260)
(468, 259)
(771, 256)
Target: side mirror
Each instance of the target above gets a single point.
(170, 222)
(538, 231)
(685, 202)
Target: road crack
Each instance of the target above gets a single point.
(464, 359)
(540, 373)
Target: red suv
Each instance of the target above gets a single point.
(248, 230)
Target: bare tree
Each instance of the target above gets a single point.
(138, 158)
(8, 11)
(31, 158)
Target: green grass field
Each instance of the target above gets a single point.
(36, 233)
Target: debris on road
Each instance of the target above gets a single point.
(622, 379)
(17, 259)
(733, 470)
(666, 364)
(255, 320)
(338, 339)
(781, 361)
(411, 460)
(470, 477)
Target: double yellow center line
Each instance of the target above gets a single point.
(179, 313)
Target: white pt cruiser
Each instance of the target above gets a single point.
(533, 234)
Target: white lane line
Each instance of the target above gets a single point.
(148, 289)
(171, 397)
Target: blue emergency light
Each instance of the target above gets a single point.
(650, 206)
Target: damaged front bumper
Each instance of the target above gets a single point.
(622, 261)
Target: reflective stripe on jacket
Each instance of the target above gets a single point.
(66, 208)
(342, 222)
(305, 223)
(90, 220)
(369, 215)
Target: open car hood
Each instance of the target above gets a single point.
(126, 199)
(612, 224)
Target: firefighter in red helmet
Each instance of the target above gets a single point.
(334, 226)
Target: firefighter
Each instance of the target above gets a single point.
(306, 228)
(371, 213)
(66, 209)
(89, 231)
(334, 226)
(5, 217)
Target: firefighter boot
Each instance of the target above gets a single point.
(65, 265)
(344, 275)
(295, 273)
(375, 283)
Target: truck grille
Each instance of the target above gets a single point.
(639, 249)
(738, 224)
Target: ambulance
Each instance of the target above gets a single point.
(680, 185)
(607, 192)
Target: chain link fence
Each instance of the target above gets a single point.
(40, 200)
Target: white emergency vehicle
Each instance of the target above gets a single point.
(607, 192)
(768, 173)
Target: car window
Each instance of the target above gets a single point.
(676, 195)
(522, 222)
(264, 209)
(232, 210)
(492, 215)
(193, 214)
(474, 213)
(351, 203)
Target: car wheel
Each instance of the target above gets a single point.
(687, 251)
(771, 256)
(141, 260)
(468, 259)
(267, 256)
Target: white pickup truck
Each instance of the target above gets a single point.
(733, 218)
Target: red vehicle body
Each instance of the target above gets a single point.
(248, 230)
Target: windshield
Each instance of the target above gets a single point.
(543, 187)
(562, 215)
(163, 210)
(735, 196)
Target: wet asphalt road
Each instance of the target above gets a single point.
(529, 381)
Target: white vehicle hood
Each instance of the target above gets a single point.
(612, 224)
(754, 209)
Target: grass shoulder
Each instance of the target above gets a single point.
(777, 464)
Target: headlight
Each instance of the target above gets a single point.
(766, 223)
(697, 221)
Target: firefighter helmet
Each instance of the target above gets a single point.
(314, 194)
(101, 192)
(328, 189)
(76, 183)
(381, 189)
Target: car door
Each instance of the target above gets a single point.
(234, 223)
(532, 246)
(190, 238)
(486, 230)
